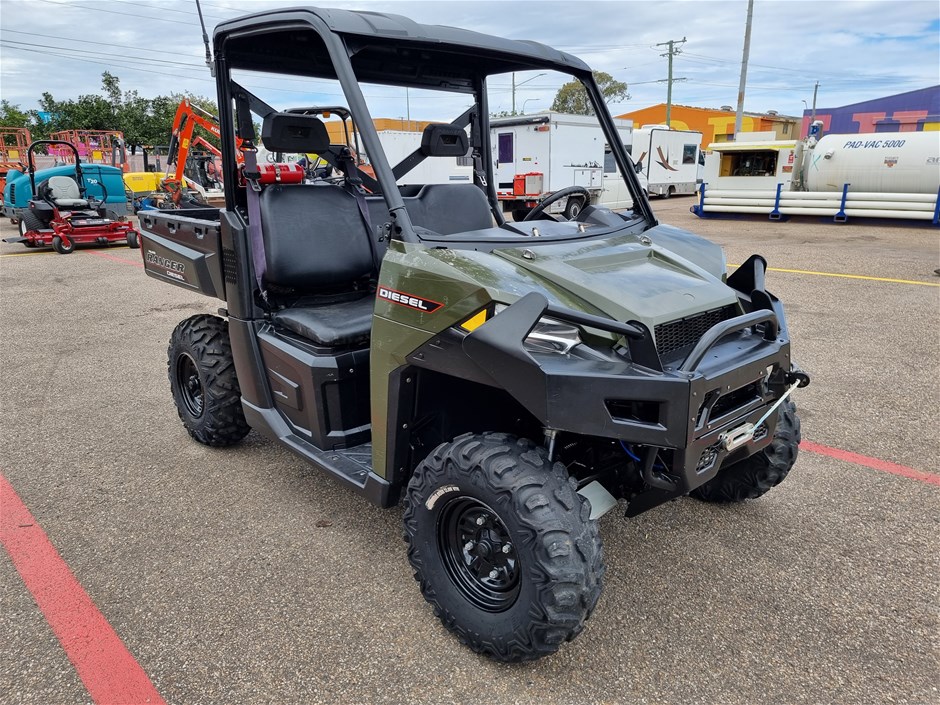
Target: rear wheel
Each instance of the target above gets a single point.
(503, 546)
(63, 245)
(203, 381)
(755, 475)
(30, 221)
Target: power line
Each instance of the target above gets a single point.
(105, 55)
(82, 41)
(115, 12)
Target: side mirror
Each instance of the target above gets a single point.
(638, 167)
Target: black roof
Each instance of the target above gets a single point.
(386, 48)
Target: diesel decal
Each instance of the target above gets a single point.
(415, 302)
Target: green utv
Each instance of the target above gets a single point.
(509, 381)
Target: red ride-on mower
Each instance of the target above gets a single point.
(62, 213)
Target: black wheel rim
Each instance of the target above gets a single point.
(478, 555)
(187, 375)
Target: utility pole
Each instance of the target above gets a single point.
(743, 83)
(815, 91)
(672, 51)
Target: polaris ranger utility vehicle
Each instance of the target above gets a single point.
(511, 381)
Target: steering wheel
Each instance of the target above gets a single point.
(104, 194)
(552, 197)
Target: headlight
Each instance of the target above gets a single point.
(548, 335)
(554, 336)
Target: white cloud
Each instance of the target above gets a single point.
(856, 50)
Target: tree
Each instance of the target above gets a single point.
(12, 116)
(573, 98)
(145, 121)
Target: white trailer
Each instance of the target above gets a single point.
(668, 158)
(399, 144)
(536, 155)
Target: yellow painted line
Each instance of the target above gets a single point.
(53, 252)
(27, 254)
(847, 276)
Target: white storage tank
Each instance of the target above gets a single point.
(883, 162)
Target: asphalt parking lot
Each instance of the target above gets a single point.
(243, 576)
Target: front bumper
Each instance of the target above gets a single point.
(733, 376)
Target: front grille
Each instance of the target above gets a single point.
(681, 335)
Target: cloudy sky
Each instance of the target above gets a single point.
(856, 50)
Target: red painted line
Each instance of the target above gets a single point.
(98, 253)
(874, 463)
(107, 669)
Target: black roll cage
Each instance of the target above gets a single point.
(340, 48)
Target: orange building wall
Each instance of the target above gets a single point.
(714, 125)
(335, 128)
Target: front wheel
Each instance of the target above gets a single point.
(203, 381)
(573, 208)
(63, 245)
(761, 472)
(503, 546)
(133, 240)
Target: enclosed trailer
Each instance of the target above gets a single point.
(398, 144)
(535, 155)
(669, 159)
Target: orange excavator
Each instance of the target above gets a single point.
(207, 178)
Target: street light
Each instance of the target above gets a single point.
(528, 100)
(514, 84)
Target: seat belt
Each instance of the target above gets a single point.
(353, 184)
(253, 196)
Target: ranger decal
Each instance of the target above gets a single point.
(409, 300)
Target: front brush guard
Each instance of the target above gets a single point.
(583, 396)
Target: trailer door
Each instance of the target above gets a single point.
(615, 194)
(505, 159)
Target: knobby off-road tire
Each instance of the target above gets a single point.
(202, 378)
(502, 546)
(761, 472)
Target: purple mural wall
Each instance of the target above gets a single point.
(913, 111)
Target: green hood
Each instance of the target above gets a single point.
(629, 280)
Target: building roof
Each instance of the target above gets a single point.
(766, 116)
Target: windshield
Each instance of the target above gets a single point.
(540, 165)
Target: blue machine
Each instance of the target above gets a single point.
(17, 193)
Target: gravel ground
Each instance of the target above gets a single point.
(244, 576)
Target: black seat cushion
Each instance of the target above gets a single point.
(446, 209)
(330, 324)
(314, 239)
